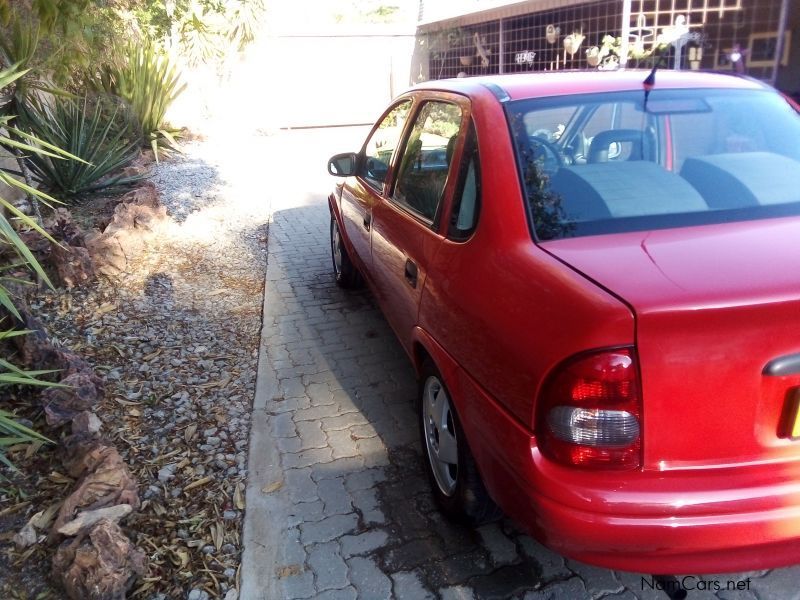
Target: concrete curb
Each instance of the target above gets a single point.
(264, 512)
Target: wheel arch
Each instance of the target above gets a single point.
(424, 348)
(334, 206)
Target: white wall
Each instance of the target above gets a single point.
(300, 80)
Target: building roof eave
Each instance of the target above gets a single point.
(514, 9)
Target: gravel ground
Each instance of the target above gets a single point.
(177, 339)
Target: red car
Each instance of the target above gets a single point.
(598, 281)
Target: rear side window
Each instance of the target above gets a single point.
(426, 158)
(467, 199)
(381, 145)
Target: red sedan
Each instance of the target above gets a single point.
(598, 281)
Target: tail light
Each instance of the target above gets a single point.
(589, 413)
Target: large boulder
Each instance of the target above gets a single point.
(104, 481)
(135, 219)
(63, 404)
(100, 563)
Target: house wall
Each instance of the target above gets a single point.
(789, 75)
(456, 48)
(333, 77)
(322, 80)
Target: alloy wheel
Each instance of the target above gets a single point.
(440, 435)
(336, 248)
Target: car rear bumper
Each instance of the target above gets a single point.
(671, 522)
(715, 542)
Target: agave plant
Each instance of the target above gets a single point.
(98, 131)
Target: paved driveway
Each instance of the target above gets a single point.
(338, 506)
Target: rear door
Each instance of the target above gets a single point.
(406, 226)
(361, 193)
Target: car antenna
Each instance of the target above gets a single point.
(650, 81)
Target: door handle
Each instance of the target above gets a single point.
(411, 272)
(367, 221)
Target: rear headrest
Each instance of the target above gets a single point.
(598, 151)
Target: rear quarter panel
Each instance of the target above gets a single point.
(505, 310)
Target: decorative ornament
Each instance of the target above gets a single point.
(736, 57)
(678, 35)
(673, 32)
(573, 42)
(593, 56)
(610, 63)
(551, 34)
(483, 52)
(641, 33)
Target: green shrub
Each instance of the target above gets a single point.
(99, 131)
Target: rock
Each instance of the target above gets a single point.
(135, 218)
(167, 472)
(232, 595)
(197, 594)
(86, 422)
(36, 351)
(139, 209)
(90, 517)
(230, 515)
(134, 171)
(73, 265)
(64, 404)
(104, 481)
(67, 261)
(62, 227)
(26, 536)
(106, 253)
(100, 564)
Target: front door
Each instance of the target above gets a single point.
(406, 228)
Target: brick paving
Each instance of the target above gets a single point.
(359, 519)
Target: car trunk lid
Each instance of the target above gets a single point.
(714, 305)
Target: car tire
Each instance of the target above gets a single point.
(457, 487)
(345, 272)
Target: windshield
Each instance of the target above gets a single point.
(616, 162)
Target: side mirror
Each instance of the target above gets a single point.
(343, 165)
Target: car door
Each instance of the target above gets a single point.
(406, 225)
(362, 192)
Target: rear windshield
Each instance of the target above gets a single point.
(616, 162)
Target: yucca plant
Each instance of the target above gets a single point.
(149, 82)
(99, 131)
(12, 432)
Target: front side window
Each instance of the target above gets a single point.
(614, 162)
(381, 145)
(426, 158)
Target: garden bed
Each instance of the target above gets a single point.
(174, 335)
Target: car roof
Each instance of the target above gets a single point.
(563, 83)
